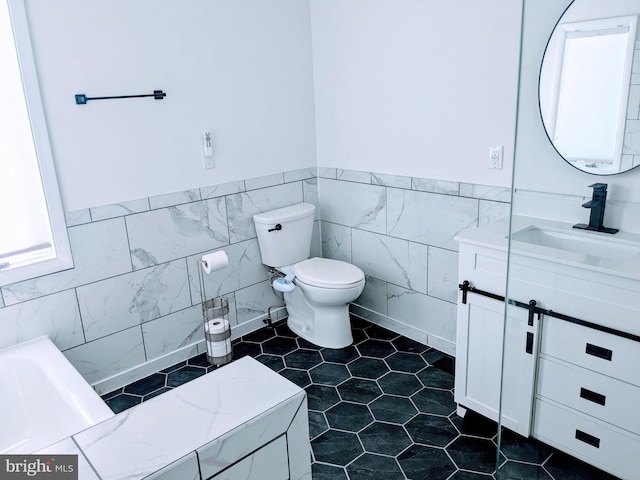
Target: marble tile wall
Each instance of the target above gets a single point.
(130, 305)
(401, 232)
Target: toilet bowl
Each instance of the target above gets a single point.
(318, 304)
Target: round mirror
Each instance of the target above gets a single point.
(589, 90)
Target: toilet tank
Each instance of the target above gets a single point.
(289, 244)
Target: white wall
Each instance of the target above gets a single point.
(241, 68)
(419, 87)
(558, 188)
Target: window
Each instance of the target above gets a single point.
(33, 235)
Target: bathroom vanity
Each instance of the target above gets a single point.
(571, 371)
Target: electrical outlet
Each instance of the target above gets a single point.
(495, 156)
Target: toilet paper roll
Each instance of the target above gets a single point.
(219, 349)
(214, 261)
(217, 325)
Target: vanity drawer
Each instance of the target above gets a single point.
(605, 447)
(603, 397)
(598, 351)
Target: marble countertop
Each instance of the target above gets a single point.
(496, 235)
(163, 430)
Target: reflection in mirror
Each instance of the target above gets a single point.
(589, 88)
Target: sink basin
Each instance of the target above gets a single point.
(590, 244)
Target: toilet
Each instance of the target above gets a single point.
(317, 291)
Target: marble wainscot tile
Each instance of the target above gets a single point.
(310, 194)
(391, 259)
(428, 314)
(435, 186)
(429, 218)
(485, 192)
(254, 301)
(633, 106)
(297, 439)
(202, 411)
(108, 356)
(171, 199)
(77, 217)
(336, 241)
(100, 250)
(327, 172)
(374, 295)
(396, 181)
(222, 189)
(172, 332)
(316, 240)
(243, 206)
(55, 315)
(489, 211)
(68, 447)
(442, 276)
(1, 300)
(264, 181)
(134, 298)
(245, 268)
(119, 209)
(631, 144)
(169, 233)
(300, 174)
(390, 324)
(354, 204)
(353, 176)
(186, 468)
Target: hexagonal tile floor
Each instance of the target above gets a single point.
(381, 409)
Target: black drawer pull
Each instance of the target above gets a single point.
(599, 352)
(588, 439)
(529, 346)
(592, 396)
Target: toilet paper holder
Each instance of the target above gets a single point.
(217, 330)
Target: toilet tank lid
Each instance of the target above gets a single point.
(290, 213)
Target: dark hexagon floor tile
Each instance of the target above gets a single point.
(375, 348)
(274, 362)
(279, 345)
(368, 368)
(433, 377)
(358, 323)
(122, 402)
(407, 345)
(317, 424)
(440, 360)
(299, 377)
(435, 402)
(199, 361)
(374, 467)
(475, 454)
(337, 448)
(359, 390)
(321, 397)
(521, 471)
(406, 362)
(303, 359)
(422, 462)
(340, 355)
(400, 384)
(320, 471)
(431, 430)
(306, 344)
(244, 349)
(385, 438)
(392, 409)
(147, 384)
(516, 447)
(259, 335)
(462, 475)
(359, 336)
(379, 333)
(283, 330)
(475, 425)
(352, 417)
(156, 393)
(184, 375)
(565, 467)
(329, 374)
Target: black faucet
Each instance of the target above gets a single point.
(596, 204)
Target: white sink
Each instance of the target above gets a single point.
(591, 244)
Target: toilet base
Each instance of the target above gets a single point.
(326, 326)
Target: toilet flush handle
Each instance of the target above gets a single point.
(277, 227)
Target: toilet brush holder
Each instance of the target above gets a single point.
(217, 330)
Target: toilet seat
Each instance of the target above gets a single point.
(328, 273)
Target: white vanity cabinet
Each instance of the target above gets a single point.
(588, 376)
(480, 339)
